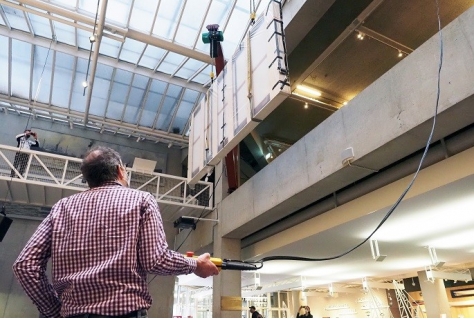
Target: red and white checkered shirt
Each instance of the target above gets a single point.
(102, 242)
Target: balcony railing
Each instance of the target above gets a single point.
(52, 170)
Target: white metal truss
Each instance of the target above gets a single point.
(56, 171)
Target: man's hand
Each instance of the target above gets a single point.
(205, 267)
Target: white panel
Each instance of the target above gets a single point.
(196, 140)
(251, 86)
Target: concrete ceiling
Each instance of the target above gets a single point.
(326, 54)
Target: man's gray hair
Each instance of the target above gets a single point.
(99, 166)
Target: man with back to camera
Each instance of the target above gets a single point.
(102, 242)
(254, 312)
(23, 143)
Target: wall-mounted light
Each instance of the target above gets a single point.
(306, 105)
(85, 84)
(400, 54)
(360, 36)
(170, 145)
(374, 247)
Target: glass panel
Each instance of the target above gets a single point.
(101, 89)
(4, 48)
(42, 79)
(78, 99)
(63, 77)
(168, 16)
(118, 11)
(135, 99)
(65, 33)
(142, 15)
(1, 20)
(235, 28)
(204, 76)
(83, 40)
(274, 299)
(108, 47)
(189, 68)
(166, 114)
(171, 63)
(88, 6)
(184, 111)
(151, 107)
(191, 20)
(66, 3)
(21, 61)
(40, 25)
(16, 18)
(157, 89)
(151, 57)
(131, 50)
(119, 93)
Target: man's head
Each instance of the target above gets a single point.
(27, 133)
(101, 165)
(252, 308)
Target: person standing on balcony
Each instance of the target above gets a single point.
(23, 143)
(102, 243)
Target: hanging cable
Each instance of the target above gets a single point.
(397, 202)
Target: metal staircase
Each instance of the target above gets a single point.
(407, 309)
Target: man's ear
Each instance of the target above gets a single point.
(121, 172)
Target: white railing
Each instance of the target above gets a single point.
(60, 171)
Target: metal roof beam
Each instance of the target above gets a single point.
(169, 137)
(128, 33)
(67, 49)
(95, 56)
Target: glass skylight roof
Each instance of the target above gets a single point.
(139, 87)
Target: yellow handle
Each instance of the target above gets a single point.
(214, 260)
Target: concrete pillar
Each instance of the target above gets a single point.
(434, 295)
(228, 282)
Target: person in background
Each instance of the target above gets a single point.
(254, 312)
(102, 243)
(306, 314)
(23, 143)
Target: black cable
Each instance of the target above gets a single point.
(395, 205)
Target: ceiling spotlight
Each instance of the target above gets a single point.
(93, 38)
(306, 105)
(268, 155)
(400, 54)
(345, 103)
(85, 84)
(138, 139)
(170, 145)
(413, 282)
(360, 36)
